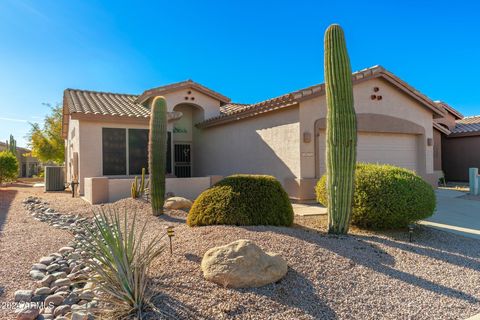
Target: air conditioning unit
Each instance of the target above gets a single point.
(54, 178)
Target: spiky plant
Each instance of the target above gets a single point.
(119, 256)
(341, 131)
(137, 190)
(157, 155)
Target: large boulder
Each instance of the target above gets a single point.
(242, 264)
(177, 203)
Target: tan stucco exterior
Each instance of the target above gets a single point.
(286, 142)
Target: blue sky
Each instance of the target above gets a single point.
(247, 50)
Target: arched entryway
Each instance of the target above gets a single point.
(183, 139)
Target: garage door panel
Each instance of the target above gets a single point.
(396, 149)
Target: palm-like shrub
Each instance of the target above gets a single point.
(386, 197)
(120, 258)
(243, 200)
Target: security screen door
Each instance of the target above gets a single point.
(182, 157)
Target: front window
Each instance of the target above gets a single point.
(125, 151)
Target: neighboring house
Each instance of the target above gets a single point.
(29, 166)
(107, 134)
(461, 148)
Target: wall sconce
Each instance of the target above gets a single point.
(429, 142)
(307, 137)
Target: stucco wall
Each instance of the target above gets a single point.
(72, 145)
(394, 103)
(209, 105)
(460, 154)
(266, 144)
(103, 189)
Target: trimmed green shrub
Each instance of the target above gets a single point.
(8, 166)
(386, 197)
(243, 200)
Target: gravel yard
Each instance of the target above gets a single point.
(361, 276)
(23, 240)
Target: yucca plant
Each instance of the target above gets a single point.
(120, 257)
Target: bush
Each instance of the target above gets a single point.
(386, 197)
(243, 200)
(8, 166)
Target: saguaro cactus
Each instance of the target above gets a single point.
(12, 145)
(157, 145)
(341, 131)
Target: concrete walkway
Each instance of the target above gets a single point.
(455, 215)
(308, 209)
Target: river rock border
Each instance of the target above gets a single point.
(58, 295)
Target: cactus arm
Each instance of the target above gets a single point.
(341, 131)
(157, 155)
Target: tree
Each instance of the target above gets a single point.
(8, 166)
(47, 143)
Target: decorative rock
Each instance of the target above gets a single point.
(61, 310)
(45, 317)
(176, 203)
(242, 264)
(39, 298)
(82, 315)
(54, 300)
(39, 267)
(53, 267)
(46, 281)
(37, 275)
(23, 296)
(28, 314)
(61, 282)
(47, 260)
(87, 295)
(43, 291)
(71, 299)
(66, 250)
(59, 274)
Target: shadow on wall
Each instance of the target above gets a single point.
(258, 145)
(6, 198)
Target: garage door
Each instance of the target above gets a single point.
(385, 148)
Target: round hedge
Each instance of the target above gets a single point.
(386, 197)
(243, 200)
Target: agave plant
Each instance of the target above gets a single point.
(119, 258)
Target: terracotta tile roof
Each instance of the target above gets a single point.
(450, 109)
(188, 84)
(233, 112)
(467, 126)
(104, 103)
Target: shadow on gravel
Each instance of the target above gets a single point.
(359, 251)
(465, 260)
(282, 292)
(6, 198)
(172, 308)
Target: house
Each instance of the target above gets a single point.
(29, 166)
(208, 135)
(461, 148)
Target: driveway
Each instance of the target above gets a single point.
(455, 215)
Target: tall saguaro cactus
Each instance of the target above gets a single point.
(157, 146)
(341, 131)
(12, 145)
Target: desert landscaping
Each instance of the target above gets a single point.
(364, 275)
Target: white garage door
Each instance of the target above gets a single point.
(385, 148)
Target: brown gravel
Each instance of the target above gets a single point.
(361, 276)
(24, 240)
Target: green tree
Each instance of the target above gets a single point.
(46, 142)
(8, 166)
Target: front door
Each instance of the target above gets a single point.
(182, 157)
